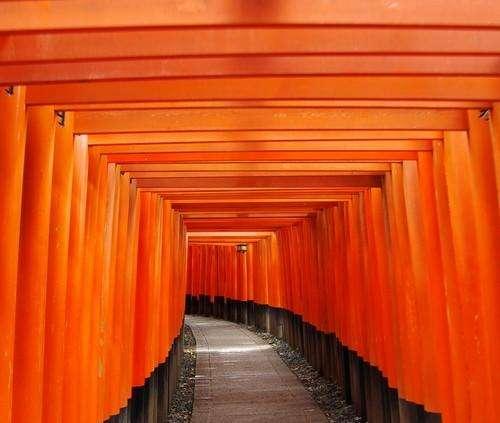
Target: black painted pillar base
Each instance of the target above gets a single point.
(150, 403)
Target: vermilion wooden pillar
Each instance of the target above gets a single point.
(420, 288)
(380, 260)
(141, 300)
(33, 262)
(88, 353)
(437, 307)
(12, 146)
(108, 278)
(126, 371)
(494, 123)
(353, 334)
(98, 305)
(410, 379)
(55, 326)
(458, 172)
(166, 289)
(483, 151)
(73, 339)
(450, 278)
(157, 281)
(117, 347)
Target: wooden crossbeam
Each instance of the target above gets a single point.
(128, 69)
(259, 136)
(48, 15)
(312, 145)
(248, 182)
(476, 88)
(258, 119)
(148, 43)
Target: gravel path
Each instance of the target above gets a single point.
(328, 395)
(181, 406)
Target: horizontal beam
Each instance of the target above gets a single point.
(262, 156)
(249, 208)
(159, 168)
(222, 241)
(68, 46)
(235, 215)
(235, 224)
(76, 14)
(470, 88)
(323, 201)
(250, 174)
(87, 122)
(214, 234)
(310, 103)
(128, 69)
(260, 136)
(253, 220)
(269, 182)
(341, 145)
(268, 190)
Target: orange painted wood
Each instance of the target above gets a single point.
(142, 43)
(57, 273)
(420, 280)
(450, 279)
(32, 15)
(130, 279)
(33, 266)
(373, 145)
(382, 265)
(439, 335)
(494, 122)
(116, 349)
(484, 192)
(156, 292)
(130, 139)
(102, 122)
(235, 66)
(461, 88)
(141, 305)
(12, 148)
(167, 286)
(343, 143)
(380, 338)
(91, 288)
(269, 103)
(72, 346)
(283, 183)
(464, 237)
(109, 292)
(412, 388)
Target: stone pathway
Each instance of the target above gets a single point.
(239, 378)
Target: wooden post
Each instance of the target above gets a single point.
(33, 263)
(12, 147)
(73, 335)
(55, 326)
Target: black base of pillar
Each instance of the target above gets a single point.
(150, 403)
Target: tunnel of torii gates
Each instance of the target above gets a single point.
(353, 147)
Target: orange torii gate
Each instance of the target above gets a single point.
(352, 146)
